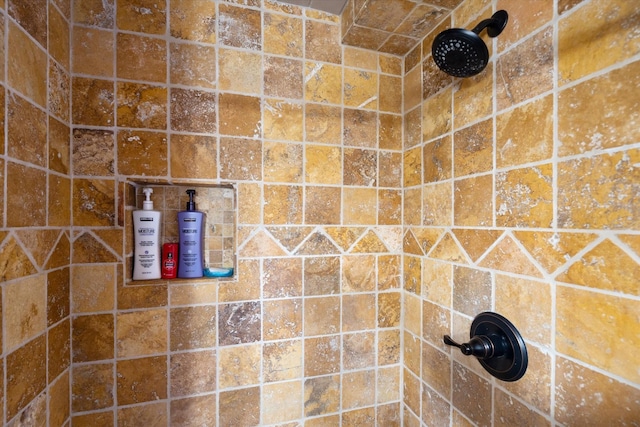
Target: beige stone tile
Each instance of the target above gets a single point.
(282, 402)
(59, 349)
(282, 319)
(360, 167)
(59, 146)
(141, 106)
(510, 412)
(321, 316)
(586, 186)
(323, 123)
(390, 64)
(389, 348)
(473, 204)
(526, 70)
(59, 402)
(193, 65)
(358, 312)
(151, 414)
(141, 380)
(583, 50)
(238, 71)
(282, 360)
(93, 337)
(359, 128)
(552, 249)
(93, 50)
(412, 89)
(524, 197)
(473, 149)
(389, 207)
(184, 148)
(322, 42)
(472, 290)
(26, 375)
(358, 350)
(389, 131)
(437, 410)
(141, 333)
(476, 242)
(192, 327)
(59, 203)
(437, 282)
(94, 419)
(472, 98)
(583, 316)
(437, 115)
(411, 353)
(141, 58)
(412, 167)
(323, 83)
(282, 77)
(322, 396)
(239, 323)
(533, 388)
(60, 35)
(523, 20)
(525, 134)
(323, 164)
(38, 243)
(436, 323)
(94, 13)
(283, 35)
(581, 131)
(193, 110)
(321, 356)
(193, 411)
(142, 153)
(240, 366)
(26, 131)
(147, 16)
(507, 256)
(239, 115)
(605, 267)
(283, 120)
(412, 391)
(586, 396)
(27, 70)
(241, 406)
(93, 102)
(437, 160)
(437, 195)
(92, 288)
(527, 304)
(239, 27)
(359, 206)
(471, 394)
(283, 204)
(353, 385)
(390, 169)
(193, 21)
(361, 89)
(92, 389)
(24, 310)
(436, 369)
(59, 95)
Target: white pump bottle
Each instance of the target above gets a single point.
(146, 232)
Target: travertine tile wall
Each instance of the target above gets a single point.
(521, 191)
(35, 194)
(264, 97)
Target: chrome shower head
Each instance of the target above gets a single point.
(462, 53)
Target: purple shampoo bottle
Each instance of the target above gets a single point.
(190, 236)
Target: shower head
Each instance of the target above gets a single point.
(462, 53)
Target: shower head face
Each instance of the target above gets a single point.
(460, 52)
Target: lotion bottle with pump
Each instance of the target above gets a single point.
(190, 234)
(146, 256)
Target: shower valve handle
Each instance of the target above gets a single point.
(479, 346)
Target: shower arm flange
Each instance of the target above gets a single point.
(494, 25)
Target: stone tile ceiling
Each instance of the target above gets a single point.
(389, 26)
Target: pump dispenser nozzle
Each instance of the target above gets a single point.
(147, 205)
(191, 205)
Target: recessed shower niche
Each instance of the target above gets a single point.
(217, 202)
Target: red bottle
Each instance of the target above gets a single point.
(169, 260)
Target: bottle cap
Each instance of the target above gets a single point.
(191, 205)
(147, 205)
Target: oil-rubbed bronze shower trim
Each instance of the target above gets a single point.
(497, 345)
(462, 53)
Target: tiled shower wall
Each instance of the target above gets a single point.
(521, 196)
(309, 132)
(35, 233)
(252, 94)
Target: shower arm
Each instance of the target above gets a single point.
(494, 25)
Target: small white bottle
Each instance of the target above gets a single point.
(146, 232)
